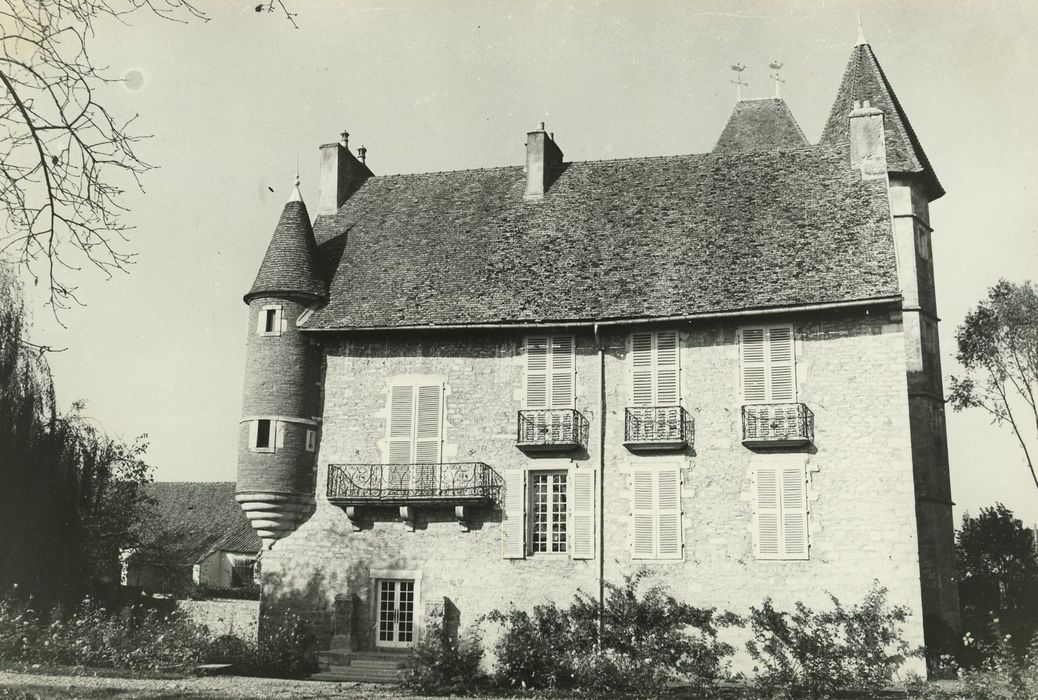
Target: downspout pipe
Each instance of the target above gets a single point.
(601, 481)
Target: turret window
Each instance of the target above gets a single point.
(270, 320)
(262, 435)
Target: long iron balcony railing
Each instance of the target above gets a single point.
(777, 424)
(404, 484)
(552, 429)
(658, 428)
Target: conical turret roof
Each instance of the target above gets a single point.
(864, 80)
(760, 125)
(290, 265)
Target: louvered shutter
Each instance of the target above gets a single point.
(513, 527)
(261, 321)
(427, 424)
(666, 368)
(668, 508)
(794, 513)
(582, 517)
(561, 361)
(754, 369)
(766, 502)
(641, 369)
(643, 514)
(537, 372)
(401, 423)
(781, 369)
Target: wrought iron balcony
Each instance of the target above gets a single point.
(551, 429)
(466, 483)
(658, 428)
(777, 425)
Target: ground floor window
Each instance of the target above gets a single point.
(548, 512)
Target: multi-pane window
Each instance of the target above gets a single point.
(780, 512)
(656, 512)
(654, 368)
(768, 365)
(548, 512)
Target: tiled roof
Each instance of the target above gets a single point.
(620, 239)
(864, 80)
(290, 262)
(760, 125)
(189, 520)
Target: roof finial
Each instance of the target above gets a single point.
(738, 82)
(297, 196)
(861, 32)
(776, 66)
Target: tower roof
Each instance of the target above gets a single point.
(760, 125)
(864, 79)
(290, 265)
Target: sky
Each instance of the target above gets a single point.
(235, 103)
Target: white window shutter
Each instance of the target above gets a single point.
(754, 367)
(253, 433)
(582, 516)
(561, 358)
(794, 513)
(537, 372)
(766, 504)
(261, 321)
(781, 365)
(401, 423)
(428, 421)
(668, 505)
(513, 527)
(277, 434)
(280, 322)
(643, 514)
(642, 393)
(667, 368)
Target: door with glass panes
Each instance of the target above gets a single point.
(395, 613)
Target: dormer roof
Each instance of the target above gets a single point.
(760, 125)
(290, 265)
(863, 80)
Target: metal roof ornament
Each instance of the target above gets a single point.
(738, 68)
(775, 77)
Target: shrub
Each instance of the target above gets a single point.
(808, 653)
(443, 663)
(1003, 672)
(287, 648)
(535, 649)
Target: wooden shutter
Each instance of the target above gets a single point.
(641, 369)
(794, 513)
(582, 514)
(513, 527)
(781, 370)
(668, 509)
(401, 423)
(667, 368)
(643, 514)
(561, 382)
(766, 502)
(754, 368)
(428, 420)
(781, 512)
(537, 372)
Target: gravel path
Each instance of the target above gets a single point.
(31, 686)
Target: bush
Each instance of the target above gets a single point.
(443, 663)
(648, 639)
(813, 654)
(1003, 672)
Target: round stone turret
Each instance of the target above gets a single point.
(279, 429)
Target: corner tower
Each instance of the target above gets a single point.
(865, 94)
(277, 435)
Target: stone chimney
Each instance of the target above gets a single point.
(543, 162)
(341, 174)
(868, 142)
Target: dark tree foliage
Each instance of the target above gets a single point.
(70, 493)
(998, 574)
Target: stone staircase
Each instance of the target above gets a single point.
(361, 666)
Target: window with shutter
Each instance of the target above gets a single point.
(269, 320)
(548, 512)
(550, 365)
(768, 365)
(415, 422)
(654, 369)
(780, 511)
(656, 513)
(263, 435)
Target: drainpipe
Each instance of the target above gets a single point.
(601, 481)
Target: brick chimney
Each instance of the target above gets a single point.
(543, 162)
(341, 174)
(868, 142)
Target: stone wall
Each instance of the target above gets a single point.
(224, 616)
(850, 373)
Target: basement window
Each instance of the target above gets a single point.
(270, 320)
(263, 435)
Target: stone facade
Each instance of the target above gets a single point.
(861, 493)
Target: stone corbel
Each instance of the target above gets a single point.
(354, 515)
(407, 514)
(461, 514)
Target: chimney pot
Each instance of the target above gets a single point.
(344, 138)
(362, 153)
(866, 104)
(540, 126)
(857, 104)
